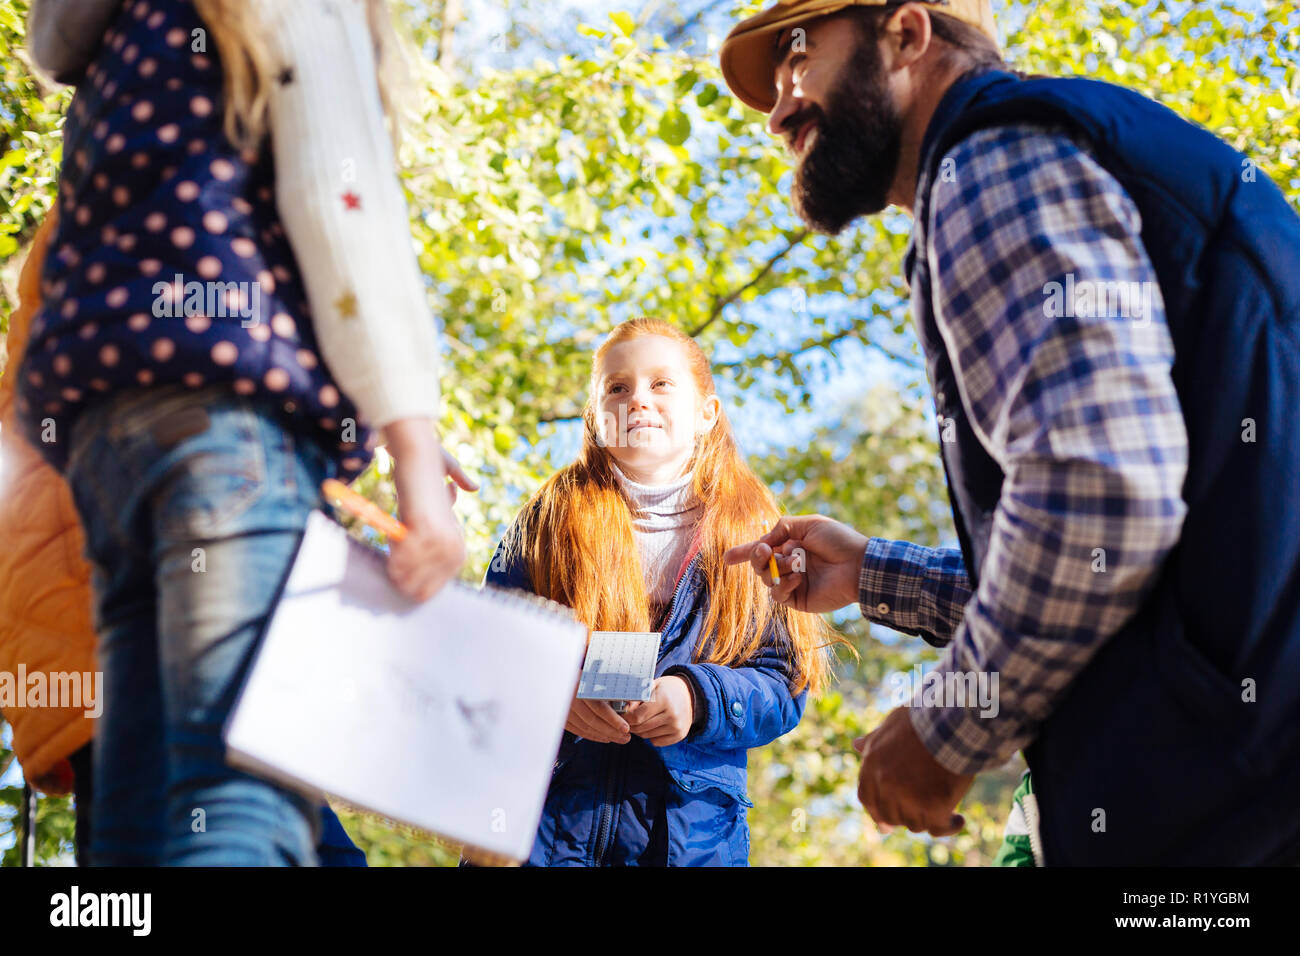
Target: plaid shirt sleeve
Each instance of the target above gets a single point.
(913, 589)
(1076, 404)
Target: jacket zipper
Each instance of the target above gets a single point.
(606, 822)
(607, 809)
(677, 592)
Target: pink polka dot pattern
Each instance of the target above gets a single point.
(172, 266)
(225, 353)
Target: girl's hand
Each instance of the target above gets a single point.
(596, 721)
(456, 475)
(433, 550)
(667, 716)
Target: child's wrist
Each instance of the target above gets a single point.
(698, 707)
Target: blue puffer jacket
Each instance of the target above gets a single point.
(683, 805)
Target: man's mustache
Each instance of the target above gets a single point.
(791, 125)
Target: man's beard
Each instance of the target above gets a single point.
(848, 169)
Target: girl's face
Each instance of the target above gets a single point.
(648, 408)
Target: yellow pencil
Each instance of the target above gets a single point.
(771, 563)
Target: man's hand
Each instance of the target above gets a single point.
(596, 721)
(829, 553)
(666, 717)
(901, 784)
(434, 547)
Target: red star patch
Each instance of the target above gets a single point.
(351, 200)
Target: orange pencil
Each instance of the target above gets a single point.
(341, 496)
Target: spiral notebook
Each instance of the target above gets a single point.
(445, 715)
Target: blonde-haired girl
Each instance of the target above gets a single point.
(225, 164)
(632, 535)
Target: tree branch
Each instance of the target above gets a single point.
(451, 15)
(721, 303)
(825, 342)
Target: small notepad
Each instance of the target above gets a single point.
(445, 715)
(620, 666)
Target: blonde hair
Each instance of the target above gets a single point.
(249, 71)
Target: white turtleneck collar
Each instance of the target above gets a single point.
(664, 519)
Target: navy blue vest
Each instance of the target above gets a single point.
(1180, 741)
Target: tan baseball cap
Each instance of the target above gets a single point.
(749, 52)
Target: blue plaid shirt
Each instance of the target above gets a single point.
(1078, 410)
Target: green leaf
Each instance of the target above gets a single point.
(707, 95)
(624, 22)
(674, 127)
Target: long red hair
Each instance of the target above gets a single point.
(575, 537)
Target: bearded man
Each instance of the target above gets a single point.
(1108, 299)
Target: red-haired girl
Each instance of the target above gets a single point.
(631, 536)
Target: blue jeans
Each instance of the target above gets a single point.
(193, 504)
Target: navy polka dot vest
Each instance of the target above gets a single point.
(170, 265)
